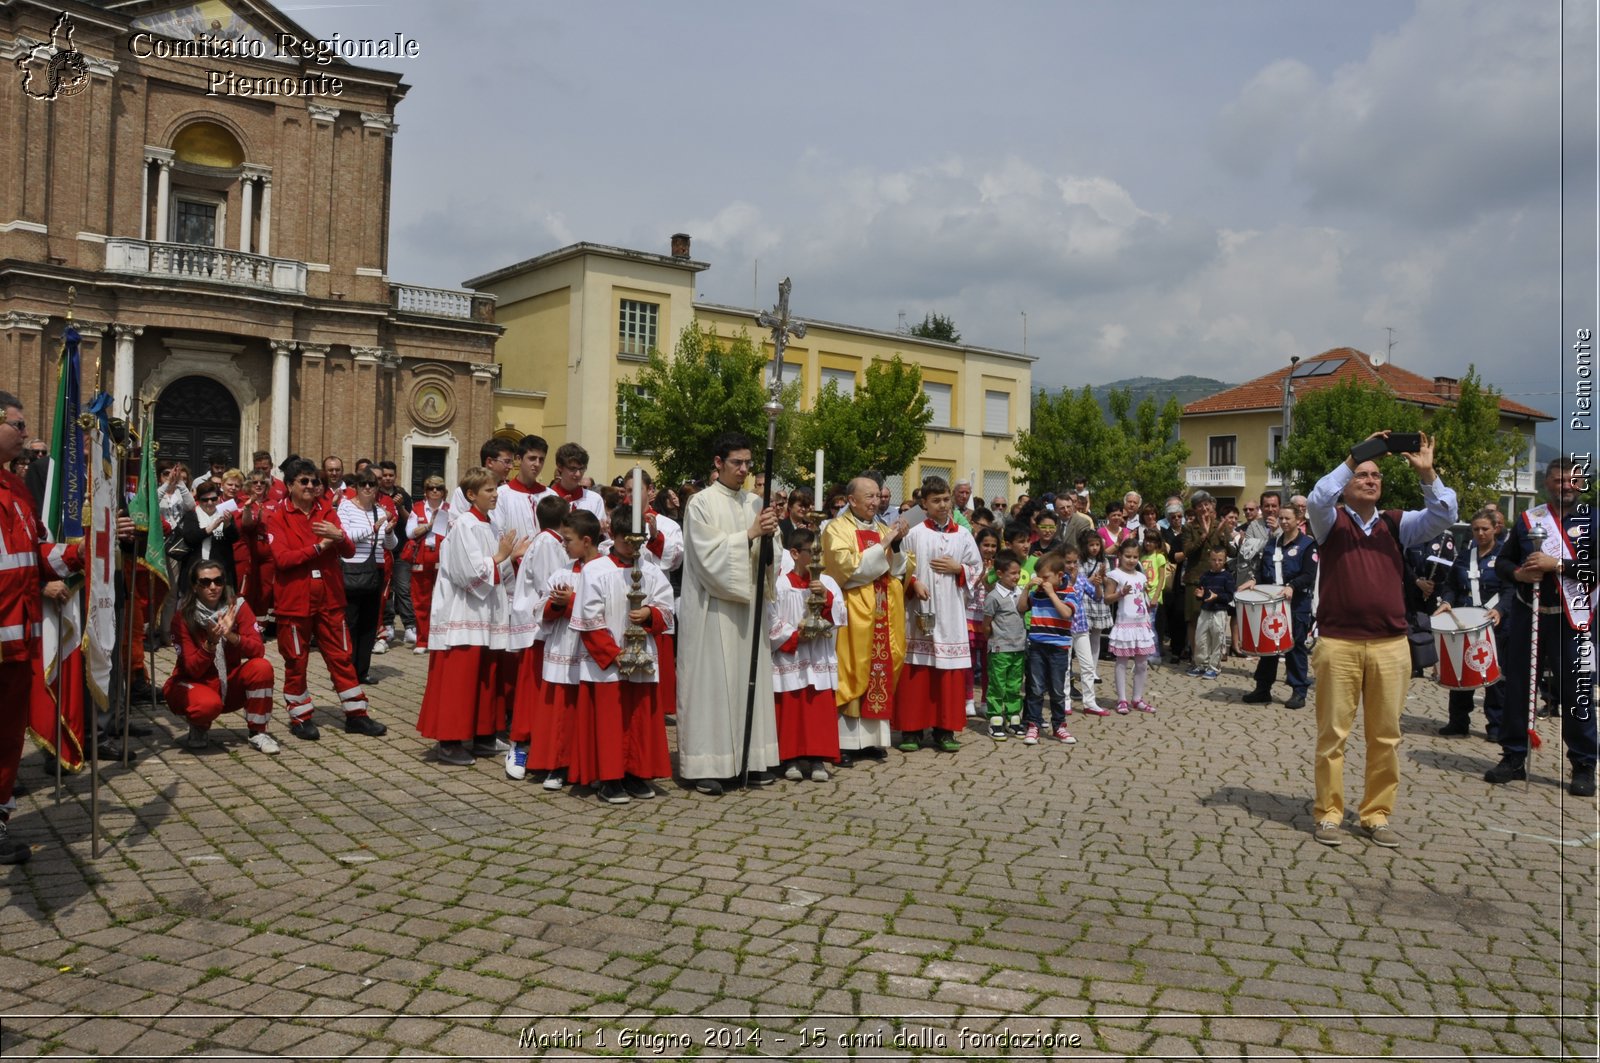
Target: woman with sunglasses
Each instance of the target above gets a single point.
(421, 552)
(368, 525)
(222, 665)
(253, 532)
(209, 530)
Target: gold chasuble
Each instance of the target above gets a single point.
(872, 644)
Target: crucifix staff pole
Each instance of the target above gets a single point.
(776, 319)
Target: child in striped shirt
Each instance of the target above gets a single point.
(1049, 649)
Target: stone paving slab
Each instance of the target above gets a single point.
(1152, 891)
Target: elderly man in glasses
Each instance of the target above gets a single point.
(1362, 656)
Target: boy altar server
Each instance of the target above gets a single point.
(531, 712)
(804, 671)
(647, 698)
(468, 633)
(942, 562)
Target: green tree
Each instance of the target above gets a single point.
(1069, 437)
(1151, 456)
(937, 327)
(1471, 451)
(688, 400)
(1329, 421)
(882, 426)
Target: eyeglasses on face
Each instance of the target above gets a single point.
(438, 489)
(205, 498)
(1368, 476)
(739, 463)
(19, 424)
(306, 481)
(210, 581)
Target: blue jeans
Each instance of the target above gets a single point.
(1047, 670)
(1267, 667)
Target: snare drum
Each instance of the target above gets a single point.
(1265, 627)
(1468, 658)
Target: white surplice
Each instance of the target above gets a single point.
(469, 598)
(947, 645)
(716, 623)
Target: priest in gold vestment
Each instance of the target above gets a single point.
(860, 552)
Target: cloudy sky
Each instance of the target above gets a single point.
(1160, 187)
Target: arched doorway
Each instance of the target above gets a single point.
(195, 418)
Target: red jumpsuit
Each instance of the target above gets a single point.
(423, 557)
(253, 536)
(197, 692)
(308, 594)
(27, 561)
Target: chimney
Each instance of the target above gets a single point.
(1446, 387)
(680, 245)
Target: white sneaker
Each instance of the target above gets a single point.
(411, 636)
(420, 649)
(792, 773)
(972, 710)
(820, 774)
(380, 647)
(264, 742)
(555, 780)
(517, 762)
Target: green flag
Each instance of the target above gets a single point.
(146, 506)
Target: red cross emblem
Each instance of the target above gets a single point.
(1480, 658)
(1274, 628)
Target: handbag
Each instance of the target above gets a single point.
(177, 546)
(365, 576)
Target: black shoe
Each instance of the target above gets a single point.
(364, 725)
(709, 787)
(12, 851)
(846, 760)
(762, 778)
(638, 788)
(1582, 782)
(305, 729)
(872, 753)
(1492, 734)
(1258, 696)
(18, 789)
(1455, 729)
(368, 681)
(453, 754)
(1508, 769)
(110, 749)
(1296, 701)
(612, 793)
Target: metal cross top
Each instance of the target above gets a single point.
(777, 319)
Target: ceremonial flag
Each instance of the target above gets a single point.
(100, 624)
(62, 630)
(146, 506)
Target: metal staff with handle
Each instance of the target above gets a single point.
(776, 319)
(1537, 534)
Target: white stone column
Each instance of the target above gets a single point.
(278, 442)
(248, 207)
(144, 200)
(122, 372)
(163, 200)
(266, 219)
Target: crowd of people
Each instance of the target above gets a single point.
(567, 627)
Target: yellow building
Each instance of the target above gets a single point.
(1233, 434)
(583, 318)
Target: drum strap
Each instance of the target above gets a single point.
(1277, 562)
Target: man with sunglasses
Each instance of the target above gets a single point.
(308, 545)
(1362, 656)
(30, 566)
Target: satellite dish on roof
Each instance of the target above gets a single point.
(1377, 359)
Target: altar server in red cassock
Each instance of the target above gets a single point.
(467, 633)
(531, 711)
(647, 697)
(222, 665)
(942, 562)
(805, 672)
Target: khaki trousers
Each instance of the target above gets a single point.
(1376, 674)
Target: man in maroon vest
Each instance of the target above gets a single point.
(1362, 656)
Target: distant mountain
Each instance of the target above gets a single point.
(1185, 389)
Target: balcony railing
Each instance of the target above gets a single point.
(216, 265)
(1521, 484)
(435, 302)
(1214, 475)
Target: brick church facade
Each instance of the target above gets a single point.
(229, 254)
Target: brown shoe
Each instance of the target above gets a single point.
(1328, 833)
(1383, 835)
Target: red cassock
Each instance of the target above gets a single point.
(931, 697)
(459, 702)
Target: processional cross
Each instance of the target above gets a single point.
(777, 319)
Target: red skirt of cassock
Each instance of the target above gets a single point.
(808, 723)
(459, 703)
(644, 725)
(593, 714)
(930, 697)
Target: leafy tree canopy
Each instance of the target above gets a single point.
(937, 327)
(881, 426)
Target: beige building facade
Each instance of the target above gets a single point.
(1234, 434)
(581, 319)
(227, 254)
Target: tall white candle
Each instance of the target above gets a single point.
(818, 495)
(638, 500)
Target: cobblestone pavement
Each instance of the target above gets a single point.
(1153, 891)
